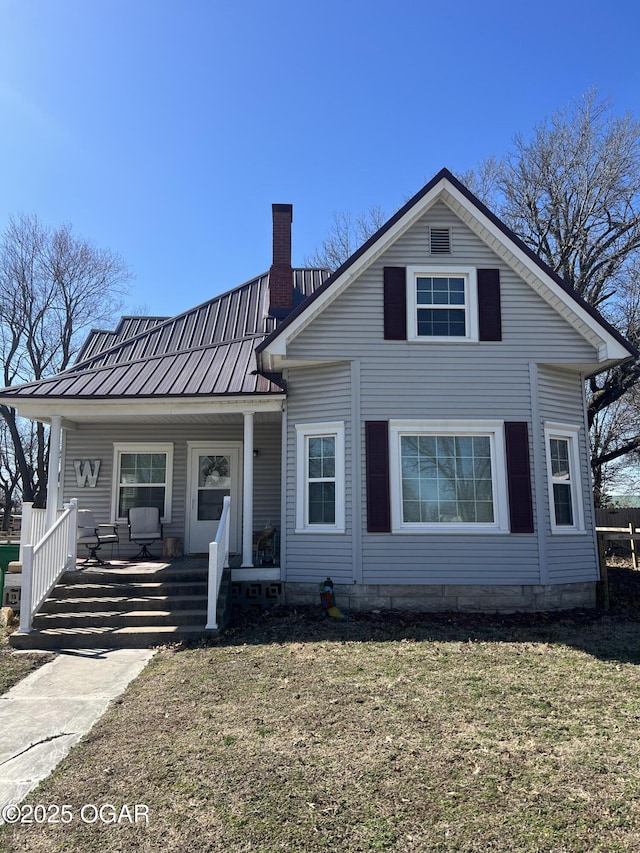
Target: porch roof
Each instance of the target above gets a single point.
(205, 352)
(225, 369)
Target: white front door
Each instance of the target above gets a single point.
(214, 471)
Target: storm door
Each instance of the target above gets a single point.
(214, 471)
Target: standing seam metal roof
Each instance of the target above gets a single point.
(208, 350)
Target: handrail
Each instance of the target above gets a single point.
(218, 561)
(44, 563)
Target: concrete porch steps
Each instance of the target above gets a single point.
(123, 589)
(126, 606)
(104, 637)
(115, 603)
(120, 619)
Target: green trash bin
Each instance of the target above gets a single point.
(8, 554)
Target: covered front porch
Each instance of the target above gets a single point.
(182, 458)
(191, 460)
(125, 603)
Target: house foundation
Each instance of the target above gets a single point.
(471, 598)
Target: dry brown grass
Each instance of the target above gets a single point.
(14, 667)
(383, 733)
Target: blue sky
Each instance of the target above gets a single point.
(165, 129)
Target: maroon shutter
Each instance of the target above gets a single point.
(489, 315)
(395, 304)
(519, 477)
(377, 455)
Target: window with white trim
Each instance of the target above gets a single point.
(448, 475)
(442, 303)
(563, 465)
(320, 477)
(142, 476)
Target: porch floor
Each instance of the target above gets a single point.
(179, 565)
(120, 566)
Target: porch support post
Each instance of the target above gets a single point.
(247, 492)
(55, 434)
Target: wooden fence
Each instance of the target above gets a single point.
(622, 541)
(618, 517)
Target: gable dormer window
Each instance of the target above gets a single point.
(440, 241)
(442, 303)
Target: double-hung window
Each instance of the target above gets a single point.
(442, 303)
(448, 475)
(142, 475)
(320, 477)
(563, 465)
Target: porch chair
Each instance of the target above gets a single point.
(144, 529)
(93, 536)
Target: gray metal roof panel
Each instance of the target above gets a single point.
(208, 350)
(225, 369)
(99, 340)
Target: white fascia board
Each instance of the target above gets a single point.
(607, 347)
(278, 347)
(605, 344)
(84, 410)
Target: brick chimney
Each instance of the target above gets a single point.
(281, 274)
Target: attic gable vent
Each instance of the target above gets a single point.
(440, 241)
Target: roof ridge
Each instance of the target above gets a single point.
(92, 368)
(70, 374)
(445, 175)
(159, 327)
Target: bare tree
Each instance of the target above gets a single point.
(9, 476)
(572, 193)
(618, 423)
(345, 236)
(483, 181)
(54, 287)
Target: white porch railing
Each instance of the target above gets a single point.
(44, 562)
(34, 525)
(218, 560)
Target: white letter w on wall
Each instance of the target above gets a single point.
(86, 473)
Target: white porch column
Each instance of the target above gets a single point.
(247, 492)
(55, 435)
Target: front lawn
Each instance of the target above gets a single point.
(382, 733)
(14, 667)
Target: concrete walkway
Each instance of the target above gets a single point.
(48, 712)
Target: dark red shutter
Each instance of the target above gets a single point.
(489, 314)
(519, 477)
(377, 455)
(395, 304)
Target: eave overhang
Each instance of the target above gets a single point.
(609, 345)
(74, 412)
